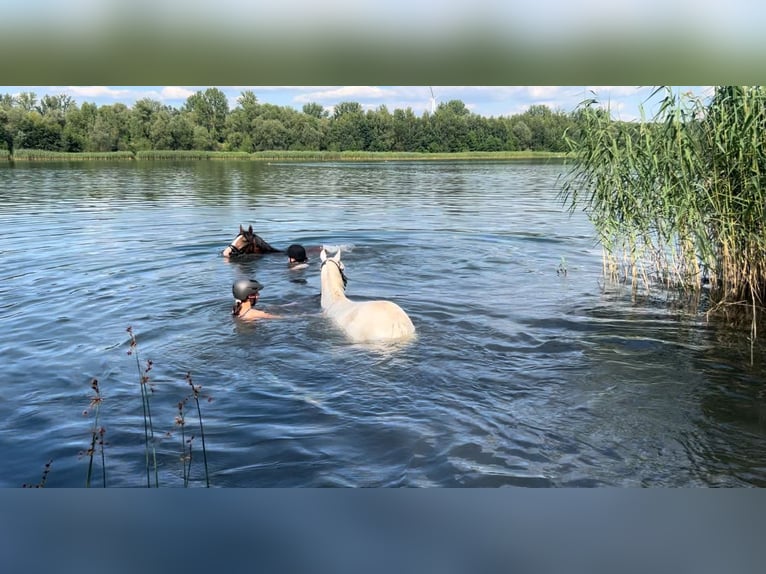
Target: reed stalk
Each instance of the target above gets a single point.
(96, 435)
(195, 395)
(43, 478)
(186, 459)
(146, 390)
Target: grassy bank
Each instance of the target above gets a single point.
(398, 156)
(162, 155)
(43, 155)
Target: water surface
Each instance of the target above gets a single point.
(527, 370)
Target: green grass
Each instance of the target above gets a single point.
(190, 155)
(43, 155)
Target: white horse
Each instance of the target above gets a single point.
(362, 321)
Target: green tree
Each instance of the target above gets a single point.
(239, 122)
(315, 111)
(405, 128)
(27, 101)
(208, 110)
(523, 134)
(347, 129)
(142, 118)
(344, 108)
(110, 129)
(380, 130)
(79, 126)
(181, 131)
(270, 134)
(56, 107)
(449, 130)
(160, 134)
(10, 117)
(37, 132)
(308, 133)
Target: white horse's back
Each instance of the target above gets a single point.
(362, 321)
(372, 320)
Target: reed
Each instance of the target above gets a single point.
(679, 200)
(186, 444)
(43, 478)
(146, 391)
(96, 435)
(44, 155)
(190, 155)
(186, 458)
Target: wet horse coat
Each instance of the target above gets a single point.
(362, 321)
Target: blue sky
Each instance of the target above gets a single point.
(624, 101)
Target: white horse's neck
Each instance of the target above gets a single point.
(331, 284)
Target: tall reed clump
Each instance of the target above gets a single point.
(97, 433)
(679, 200)
(146, 390)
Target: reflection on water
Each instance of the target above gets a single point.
(520, 375)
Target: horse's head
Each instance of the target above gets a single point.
(244, 243)
(337, 264)
(248, 242)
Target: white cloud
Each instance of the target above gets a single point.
(345, 93)
(100, 92)
(175, 93)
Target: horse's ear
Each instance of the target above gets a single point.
(322, 254)
(336, 257)
(240, 228)
(250, 229)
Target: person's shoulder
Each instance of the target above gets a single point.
(298, 266)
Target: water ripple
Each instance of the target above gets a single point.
(519, 376)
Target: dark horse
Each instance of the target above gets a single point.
(248, 243)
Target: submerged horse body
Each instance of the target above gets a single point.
(362, 321)
(247, 242)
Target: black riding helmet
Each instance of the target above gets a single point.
(243, 288)
(297, 252)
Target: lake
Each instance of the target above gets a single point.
(528, 368)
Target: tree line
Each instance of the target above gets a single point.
(205, 122)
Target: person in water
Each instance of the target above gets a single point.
(296, 257)
(246, 293)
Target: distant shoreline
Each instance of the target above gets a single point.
(42, 155)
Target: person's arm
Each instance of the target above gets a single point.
(252, 314)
